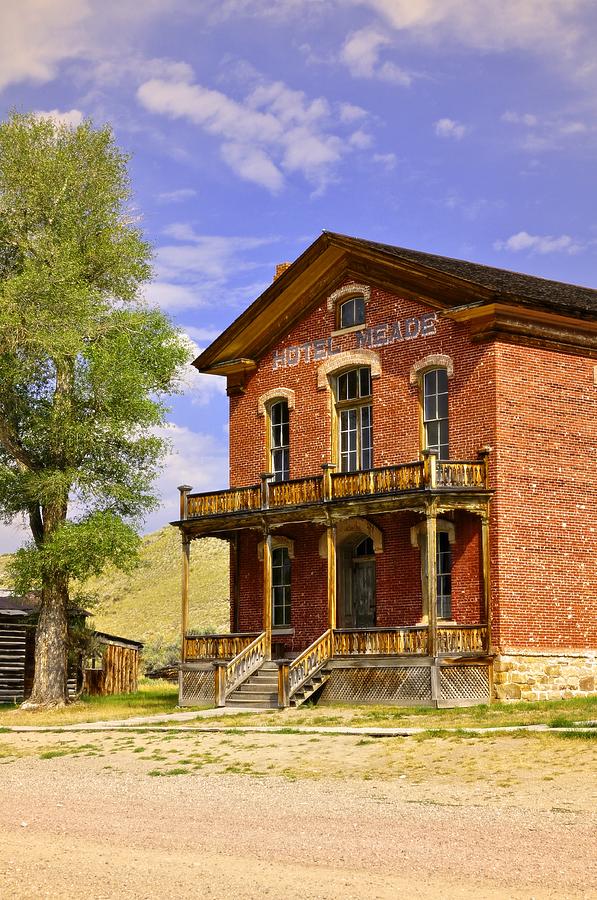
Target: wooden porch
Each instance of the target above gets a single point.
(220, 665)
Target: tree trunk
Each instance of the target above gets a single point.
(49, 683)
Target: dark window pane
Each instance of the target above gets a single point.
(365, 382)
(442, 402)
(365, 548)
(359, 310)
(442, 381)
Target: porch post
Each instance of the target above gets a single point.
(486, 562)
(332, 581)
(267, 592)
(431, 534)
(184, 623)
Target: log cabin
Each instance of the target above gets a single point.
(410, 514)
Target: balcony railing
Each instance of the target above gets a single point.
(429, 473)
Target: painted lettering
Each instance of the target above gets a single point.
(379, 336)
(279, 359)
(320, 349)
(396, 333)
(307, 350)
(293, 356)
(428, 324)
(412, 328)
(364, 338)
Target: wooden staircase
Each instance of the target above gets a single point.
(259, 691)
(308, 688)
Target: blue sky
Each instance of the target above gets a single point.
(461, 127)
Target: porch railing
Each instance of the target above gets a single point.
(309, 661)
(381, 641)
(461, 639)
(216, 646)
(229, 676)
(387, 480)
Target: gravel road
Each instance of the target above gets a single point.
(71, 827)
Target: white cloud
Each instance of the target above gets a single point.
(204, 270)
(14, 535)
(199, 387)
(487, 25)
(177, 196)
(514, 118)
(203, 335)
(361, 52)
(71, 117)
(387, 160)
(537, 243)
(273, 132)
(450, 128)
(360, 139)
(196, 459)
(349, 112)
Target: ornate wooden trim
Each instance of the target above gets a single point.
(349, 290)
(347, 360)
(433, 361)
(280, 393)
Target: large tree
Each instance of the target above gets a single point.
(85, 367)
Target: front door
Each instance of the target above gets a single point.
(356, 584)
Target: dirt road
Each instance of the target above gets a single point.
(101, 822)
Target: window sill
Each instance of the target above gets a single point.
(282, 631)
(350, 330)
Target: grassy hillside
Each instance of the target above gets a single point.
(146, 604)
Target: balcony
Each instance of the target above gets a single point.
(377, 490)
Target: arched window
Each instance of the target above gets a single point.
(279, 445)
(435, 411)
(355, 419)
(351, 312)
(281, 576)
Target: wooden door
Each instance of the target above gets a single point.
(363, 593)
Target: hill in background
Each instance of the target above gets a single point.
(145, 605)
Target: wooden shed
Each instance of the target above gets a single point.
(113, 670)
(116, 669)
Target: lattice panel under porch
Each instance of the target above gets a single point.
(407, 684)
(464, 683)
(197, 687)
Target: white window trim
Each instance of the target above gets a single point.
(433, 361)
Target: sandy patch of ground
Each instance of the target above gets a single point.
(247, 815)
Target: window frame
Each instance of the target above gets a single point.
(424, 420)
(270, 446)
(362, 406)
(283, 589)
(344, 302)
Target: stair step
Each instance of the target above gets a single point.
(257, 704)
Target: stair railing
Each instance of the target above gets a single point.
(229, 675)
(306, 664)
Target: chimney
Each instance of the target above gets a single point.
(281, 268)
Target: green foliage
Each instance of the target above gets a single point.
(76, 550)
(85, 366)
(160, 653)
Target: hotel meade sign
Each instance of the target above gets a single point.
(378, 336)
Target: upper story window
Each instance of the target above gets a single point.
(444, 576)
(279, 441)
(355, 419)
(351, 312)
(435, 411)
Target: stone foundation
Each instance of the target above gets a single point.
(544, 675)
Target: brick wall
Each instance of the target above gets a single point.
(395, 400)
(545, 534)
(398, 578)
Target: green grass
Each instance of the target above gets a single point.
(549, 712)
(153, 697)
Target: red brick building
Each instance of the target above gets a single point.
(412, 465)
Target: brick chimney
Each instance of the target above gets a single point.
(281, 268)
